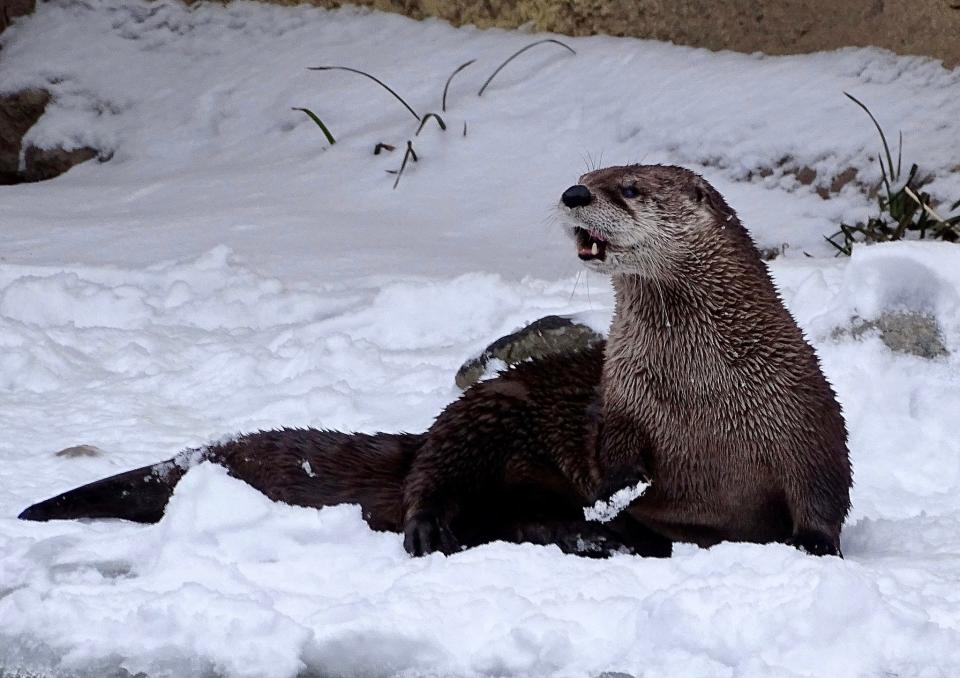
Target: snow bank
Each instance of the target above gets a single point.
(231, 583)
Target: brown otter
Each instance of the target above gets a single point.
(706, 387)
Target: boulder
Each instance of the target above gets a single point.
(909, 332)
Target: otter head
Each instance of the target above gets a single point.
(643, 219)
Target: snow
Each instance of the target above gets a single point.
(605, 510)
(226, 270)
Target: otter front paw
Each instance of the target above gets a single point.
(425, 533)
(815, 543)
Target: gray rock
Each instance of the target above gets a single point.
(76, 451)
(909, 332)
(547, 336)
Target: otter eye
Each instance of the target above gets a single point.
(630, 191)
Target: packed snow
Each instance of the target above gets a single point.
(226, 270)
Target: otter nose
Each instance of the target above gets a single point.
(576, 196)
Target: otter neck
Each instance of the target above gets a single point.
(685, 332)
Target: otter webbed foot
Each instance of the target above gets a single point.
(815, 543)
(425, 533)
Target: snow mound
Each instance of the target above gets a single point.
(231, 583)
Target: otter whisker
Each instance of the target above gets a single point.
(575, 283)
(587, 164)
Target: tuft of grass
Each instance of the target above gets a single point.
(426, 118)
(443, 102)
(904, 208)
(374, 78)
(518, 53)
(316, 119)
(410, 155)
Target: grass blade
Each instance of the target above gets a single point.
(375, 79)
(410, 153)
(840, 250)
(886, 181)
(427, 117)
(443, 102)
(518, 53)
(899, 154)
(883, 138)
(323, 128)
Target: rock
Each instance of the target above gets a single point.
(77, 451)
(11, 9)
(18, 113)
(46, 163)
(904, 332)
(547, 336)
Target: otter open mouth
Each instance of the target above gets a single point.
(590, 245)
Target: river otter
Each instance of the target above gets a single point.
(706, 388)
(708, 391)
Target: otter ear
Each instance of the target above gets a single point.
(698, 194)
(703, 194)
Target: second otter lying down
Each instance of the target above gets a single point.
(705, 388)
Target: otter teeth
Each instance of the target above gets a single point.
(590, 244)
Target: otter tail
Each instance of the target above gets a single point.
(302, 467)
(139, 495)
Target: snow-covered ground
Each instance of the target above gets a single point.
(226, 270)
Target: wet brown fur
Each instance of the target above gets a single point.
(709, 389)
